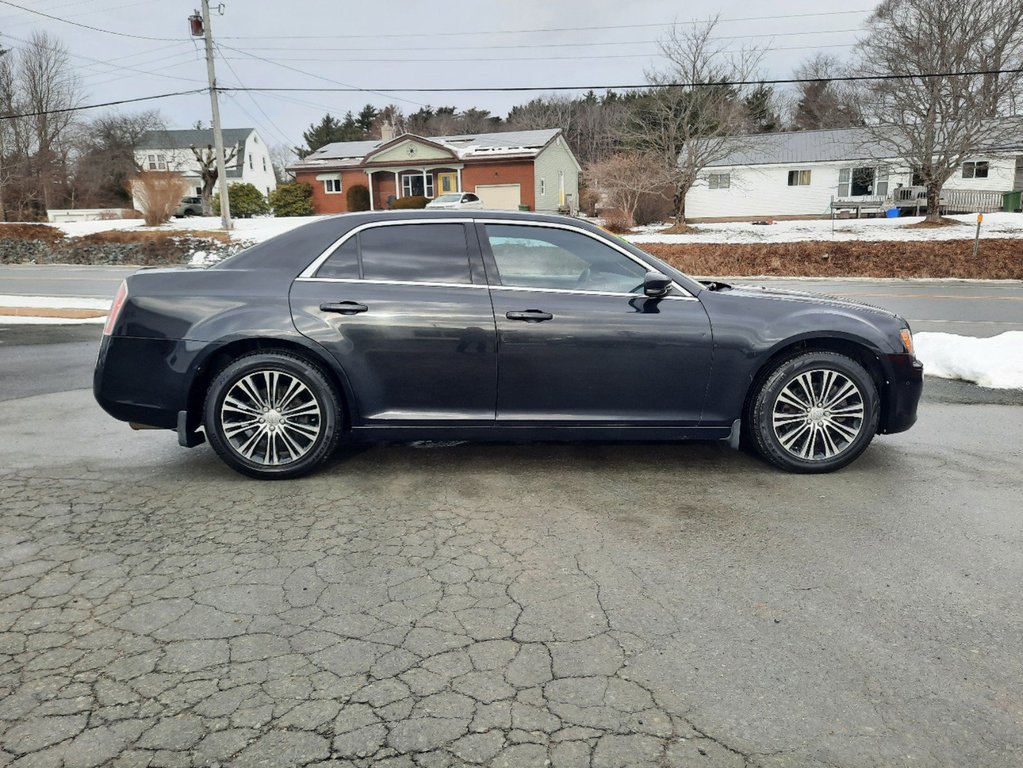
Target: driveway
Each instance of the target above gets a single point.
(598, 605)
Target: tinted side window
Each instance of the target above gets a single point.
(537, 257)
(423, 253)
(342, 263)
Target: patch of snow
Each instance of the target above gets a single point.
(995, 225)
(254, 230)
(995, 362)
(53, 302)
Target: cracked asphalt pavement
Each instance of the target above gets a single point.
(551, 605)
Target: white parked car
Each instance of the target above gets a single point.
(456, 200)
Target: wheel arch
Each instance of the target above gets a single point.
(857, 349)
(224, 354)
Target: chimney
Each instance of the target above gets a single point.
(386, 131)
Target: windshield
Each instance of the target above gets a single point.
(447, 199)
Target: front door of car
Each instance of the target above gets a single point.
(405, 310)
(579, 341)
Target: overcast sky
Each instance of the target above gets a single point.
(399, 44)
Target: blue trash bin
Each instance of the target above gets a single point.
(892, 213)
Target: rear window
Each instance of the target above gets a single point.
(413, 253)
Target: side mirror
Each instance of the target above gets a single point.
(656, 285)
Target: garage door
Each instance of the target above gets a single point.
(500, 197)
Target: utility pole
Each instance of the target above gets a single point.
(218, 135)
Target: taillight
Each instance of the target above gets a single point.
(115, 308)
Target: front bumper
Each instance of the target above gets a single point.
(905, 385)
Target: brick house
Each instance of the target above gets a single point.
(506, 170)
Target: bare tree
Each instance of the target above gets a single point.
(696, 116)
(821, 102)
(936, 123)
(51, 91)
(591, 125)
(105, 156)
(207, 159)
(623, 179)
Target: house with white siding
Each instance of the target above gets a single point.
(248, 157)
(811, 173)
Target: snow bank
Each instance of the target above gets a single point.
(996, 362)
(996, 225)
(254, 230)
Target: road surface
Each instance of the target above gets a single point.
(969, 308)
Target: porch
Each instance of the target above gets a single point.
(387, 184)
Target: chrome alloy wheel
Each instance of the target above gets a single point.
(818, 414)
(271, 418)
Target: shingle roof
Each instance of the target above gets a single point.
(804, 147)
(834, 145)
(463, 145)
(163, 139)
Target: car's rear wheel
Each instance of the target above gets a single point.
(272, 415)
(814, 413)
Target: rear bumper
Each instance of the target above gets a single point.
(904, 388)
(144, 380)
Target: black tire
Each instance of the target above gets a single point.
(295, 449)
(822, 437)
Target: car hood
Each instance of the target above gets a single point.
(805, 297)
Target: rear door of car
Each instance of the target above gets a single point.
(580, 343)
(404, 308)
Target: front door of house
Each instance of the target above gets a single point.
(448, 182)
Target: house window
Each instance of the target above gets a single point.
(332, 186)
(719, 180)
(799, 178)
(157, 162)
(412, 185)
(975, 170)
(250, 161)
(543, 187)
(863, 182)
(264, 163)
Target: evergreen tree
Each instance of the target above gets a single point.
(329, 130)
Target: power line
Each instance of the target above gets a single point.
(97, 10)
(87, 26)
(585, 57)
(642, 86)
(277, 129)
(377, 35)
(104, 104)
(550, 45)
(348, 87)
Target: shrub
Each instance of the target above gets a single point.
(416, 201)
(294, 199)
(158, 194)
(358, 198)
(246, 201)
(588, 198)
(616, 220)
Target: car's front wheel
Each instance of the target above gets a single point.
(272, 415)
(814, 413)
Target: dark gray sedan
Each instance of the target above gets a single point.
(475, 325)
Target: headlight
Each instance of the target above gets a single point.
(907, 339)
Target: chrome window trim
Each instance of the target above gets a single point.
(598, 238)
(374, 281)
(587, 293)
(310, 271)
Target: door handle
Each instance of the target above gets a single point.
(343, 307)
(530, 315)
